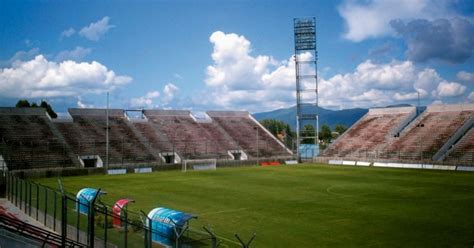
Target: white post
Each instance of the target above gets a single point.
(317, 133)
(417, 108)
(298, 139)
(419, 127)
(107, 135)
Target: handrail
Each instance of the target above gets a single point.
(32, 231)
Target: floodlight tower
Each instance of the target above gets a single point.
(306, 67)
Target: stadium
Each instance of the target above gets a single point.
(399, 176)
(224, 188)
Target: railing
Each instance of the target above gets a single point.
(44, 237)
(58, 211)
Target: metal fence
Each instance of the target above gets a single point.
(58, 211)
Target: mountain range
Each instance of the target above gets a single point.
(346, 117)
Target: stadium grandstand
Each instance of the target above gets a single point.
(439, 134)
(31, 139)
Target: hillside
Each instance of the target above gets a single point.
(346, 117)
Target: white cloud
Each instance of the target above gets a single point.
(233, 66)
(406, 97)
(42, 78)
(470, 98)
(371, 19)
(77, 54)
(465, 76)
(145, 101)
(96, 29)
(21, 56)
(68, 33)
(450, 89)
(374, 84)
(153, 99)
(169, 92)
(259, 86)
(238, 80)
(82, 104)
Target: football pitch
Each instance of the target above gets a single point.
(308, 205)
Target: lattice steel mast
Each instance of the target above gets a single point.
(306, 80)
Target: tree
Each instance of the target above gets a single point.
(49, 109)
(279, 129)
(325, 134)
(23, 104)
(308, 131)
(340, 129)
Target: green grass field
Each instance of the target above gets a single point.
(309, 205)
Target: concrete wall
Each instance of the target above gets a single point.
(95, 112)
(154, 112)
(228, 113)
(453, 107)
(384, 111)
(22, 111)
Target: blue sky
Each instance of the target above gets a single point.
(204, 55)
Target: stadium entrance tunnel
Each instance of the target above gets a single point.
(91, 161)
(170, 157)
(167, 225)
(237, 155)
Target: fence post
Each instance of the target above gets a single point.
(179, 233)
(63, 215)
(148, 231)
(37, 201)
(106, 225)
(78, 219)
(45, 205)
(91, 220)
(16, 191)
(54, 211)
(29, 199)
(242, 243)
(126, 226)
(214, 243)
(21, 192)
(10, 187)
(5, 176)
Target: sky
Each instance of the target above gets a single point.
(233, 55)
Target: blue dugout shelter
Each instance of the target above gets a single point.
(84, 197)
(164, 223)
